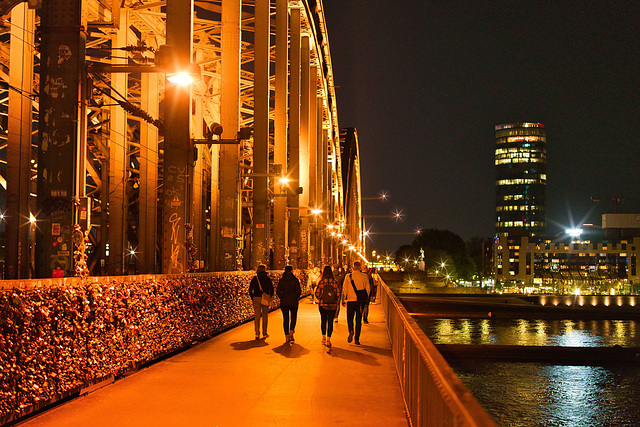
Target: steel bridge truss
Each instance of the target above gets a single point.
(236, 210)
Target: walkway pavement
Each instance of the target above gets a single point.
(234, 380)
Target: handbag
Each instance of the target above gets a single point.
(266, 298)
(361, 294)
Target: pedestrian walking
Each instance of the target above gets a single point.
(376, 285)
(289, 292)
(328, 295)
(261, 293)
(338, 274)
(314, 278)
(355, 283)
(365, 306)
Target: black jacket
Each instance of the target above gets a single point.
(289, 290)
(265, 283)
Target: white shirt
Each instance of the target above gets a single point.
(361, 281)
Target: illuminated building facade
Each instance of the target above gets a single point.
(568, 265)
(521, 179)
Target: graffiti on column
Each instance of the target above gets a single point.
(175, 200)
(58, 100)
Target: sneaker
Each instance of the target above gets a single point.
(365, 321)
(329, 342)
(291, 337)
(357, 342)
(336, 320)
(350, 338)
(265, 335)
(257, 336)
(324, 340)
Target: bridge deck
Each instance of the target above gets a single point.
(234, 380)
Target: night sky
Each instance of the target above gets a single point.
(425, 83)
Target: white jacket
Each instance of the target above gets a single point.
(361, 281)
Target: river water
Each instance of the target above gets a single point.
(542, 394)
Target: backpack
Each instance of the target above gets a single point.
(328, 293)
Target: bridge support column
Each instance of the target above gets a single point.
(148, 215)
(294, 141)
(197, 204)
(280, 125)
(260, 225)
(178, 147)
(17, 255)
(314, 201)
(319, 179)
(117, 160)
(229, 256)
(305, 165)
(61, 73)
(326, 193)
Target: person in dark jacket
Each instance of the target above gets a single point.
(327, 307)
(259, 284)
(289, 292)
(338, 274)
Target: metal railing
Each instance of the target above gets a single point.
(432, 392)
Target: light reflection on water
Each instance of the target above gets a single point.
(539, 394)
(566, 332)
(536, 394)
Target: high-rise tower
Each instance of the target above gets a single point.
(521, 179)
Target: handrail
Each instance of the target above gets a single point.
(433, 393)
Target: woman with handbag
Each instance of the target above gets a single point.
(289, 292)
(261, 292)
(328, 295)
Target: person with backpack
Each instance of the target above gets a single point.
(289, 292)
(261, 292)
(328, 294)
(355, 291)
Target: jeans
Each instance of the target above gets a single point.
(354, 308)
(326, 321)
(365, 311)
(262, 312)
(286, 310)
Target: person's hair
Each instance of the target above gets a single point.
(288, 268)
(327, 272)
(356, 264)
(261, 267)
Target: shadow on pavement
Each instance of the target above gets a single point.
(247, 345)
(356, 356)
(377, 350)
(291, 350)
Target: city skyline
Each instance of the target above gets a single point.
(425, 85)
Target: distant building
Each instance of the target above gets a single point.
(620, 226)
(521, 179)
(568, 264)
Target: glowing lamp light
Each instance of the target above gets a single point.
(574, 232)
(284, 180)
(32, 219)
(187, 76)
(181, 79)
